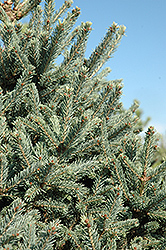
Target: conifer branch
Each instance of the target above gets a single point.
(3, 66)
(120, 181)
(102, 101)
(78, 246)
(24, 155)
(127, 164)
(91, 238)
(12, 100)
(97, 53)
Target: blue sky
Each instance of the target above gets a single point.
(141, 57)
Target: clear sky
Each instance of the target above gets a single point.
(141, 57)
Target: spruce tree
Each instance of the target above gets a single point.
(75, 174)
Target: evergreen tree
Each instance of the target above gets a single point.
(74, 174)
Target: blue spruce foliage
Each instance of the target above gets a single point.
(74, 171)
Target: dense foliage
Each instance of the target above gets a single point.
(75, 174)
